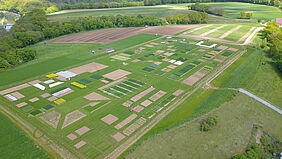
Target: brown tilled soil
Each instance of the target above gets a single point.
(126, 121)
(109, 119)
(118, 136)
(117, 74)
(114, 34)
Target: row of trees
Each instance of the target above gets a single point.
(190, 18)
(246, 15)
(273, 35)
(207, 9)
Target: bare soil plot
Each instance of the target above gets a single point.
(137, 109)
(136, 60)
(52, 118)
(218, 60)
(119, 57)
(222, 47)
(157, 96)
(233, 49)
(213, 30)
(146, 103)
(34, 99)
(13, 89)
(168, 54)
(127, 103)
(178, 92)
(34, 82)
(18, 95)
(117, 74)
(95, 96)
(194, 78)
(80, 144)
(118, 136)
(82, 130)
(91, 67)
(115, 34)
(126, 121)
(142, 94)
(71, 136)
(45, 95)
(133, 127)
(51, 99)
(21, 104)
(109, 119)
(73, 117)
(172, 66)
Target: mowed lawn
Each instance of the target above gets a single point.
(15, 144)
(236, 115)
(157, 11)
(233, 9)
(53, 57)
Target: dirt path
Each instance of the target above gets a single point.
(85, 10)
(197, 37)
(205, 26)
(250, 37)
(119, 150)
(230, 32)
(213, 30)
(246, 35)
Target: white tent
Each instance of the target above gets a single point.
(62, 92)
(48, 81)
(55, 84)
(66, 74)
(172, 61)
(179, 63)
(11, 97)
(41, 87)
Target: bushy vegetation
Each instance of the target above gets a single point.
(190, 18)
(268, 148)
(208, 123)
(207, 9)
(246, 15)
(273, 35)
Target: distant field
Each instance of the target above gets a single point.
(157, 11)
(233, 9)
(15, 144)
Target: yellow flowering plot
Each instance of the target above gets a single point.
(210, 53)
(51, 75)
(59, 101)
(78, 85)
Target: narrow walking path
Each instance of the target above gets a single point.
(230, 32)
(261, 100)
(213, 30)
(205, 26)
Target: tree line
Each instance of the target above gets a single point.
(207, 9)
(190, 18)
(273, 44)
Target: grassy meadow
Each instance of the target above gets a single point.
(15, 144)
(233, 9)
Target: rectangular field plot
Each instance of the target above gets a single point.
(102, 104)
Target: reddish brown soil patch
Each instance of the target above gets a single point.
(117, 74)
(115, 34)
(21, 104)
(79, 144)
(133, 127)
(126, 121)
(178, 92)
(91, 67)
(73, 117)
(95, 96)
(146, 103)
(142, 94)
(13, 89)
(45, 95)
(34, 99)
(137, 109)
(18, 95)
(82, 130)
(71, 136)
(118, 136)
(157, 96)
(109, 119)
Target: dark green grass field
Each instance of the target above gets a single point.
(15, 144)
(233, 9)
(158, 11)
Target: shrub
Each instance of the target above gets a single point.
(208, 123)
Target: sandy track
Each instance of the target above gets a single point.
(106, 36)
(213, 39)
(213, 30)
